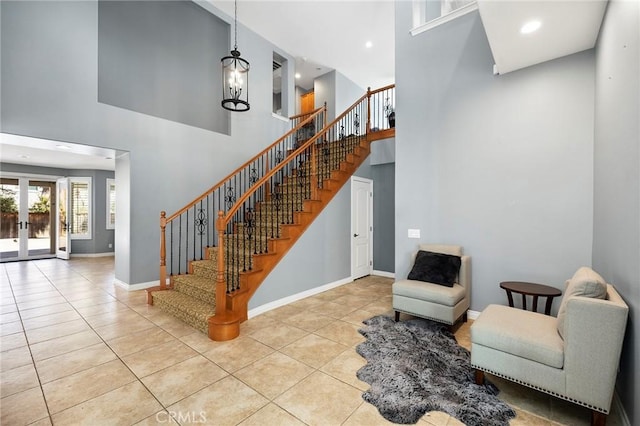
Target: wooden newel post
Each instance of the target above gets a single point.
(221, 284)
(163, 250)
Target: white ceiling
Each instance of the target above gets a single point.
(47, 153)
(323, 35)
(566, 27)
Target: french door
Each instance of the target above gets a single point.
(63, 209)
(27, 225)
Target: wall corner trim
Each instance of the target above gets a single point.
(383, 274)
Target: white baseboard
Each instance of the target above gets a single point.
(472, 315)
(138, 286)
(295, 297)
(106, 254)
(383, 274)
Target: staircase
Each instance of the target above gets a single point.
(215, 266)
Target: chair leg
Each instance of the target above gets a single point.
(598, 418)
(397, 316)
(464, 317)
(479, 376)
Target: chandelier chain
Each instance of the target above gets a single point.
(235, 26)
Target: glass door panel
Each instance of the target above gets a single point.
(39, 223)
(63, 236)
(10, 211)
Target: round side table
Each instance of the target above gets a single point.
(531, 289)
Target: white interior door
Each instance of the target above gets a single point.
(63, 208)
(361, 227)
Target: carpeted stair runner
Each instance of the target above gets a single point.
(192, 296)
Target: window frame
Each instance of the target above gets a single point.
(89, 182)
(111, 182)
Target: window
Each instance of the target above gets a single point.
(111, 204)
(429, 14)
(80, 208)
(280, 89)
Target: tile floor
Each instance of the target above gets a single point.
(76, 349)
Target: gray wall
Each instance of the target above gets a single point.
(616, 227)
(502, 165)
(143, 64)
(49, 90)
(101, 237)
(324, 90)
(384, 217)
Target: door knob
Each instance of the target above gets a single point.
(355, 235)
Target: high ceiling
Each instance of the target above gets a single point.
(323, 35)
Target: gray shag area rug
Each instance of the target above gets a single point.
(417, 366)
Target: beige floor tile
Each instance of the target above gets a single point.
(321, 400)
(314, 350)
(183, 379)
(207, 403)
(237, 353)
(11, 307)
(273, 374)
(341, 332)
(199, 341)
(10, 328)
(384, 306)
(522, 397)
(102, 308)
(334, 310)
(12, 341)
(18, 379)
(39, 303)
(158, 357)
(51, 294)
(177, 328)
(128, 404)
(9, 317)
(282, 312)
(368, 415)
(436, 418)
(344, 367)
(139, 341)
(123, 328)
(41, 334)
(357, 317)
(93, 301)
(32, 289)
(162, 417)
(354, 301)
(42, 422)
(102, 319)
(278, 336)
(45, 310)
(62, 345)
(525, 418)
(309, 321)
(567, 413)
(306, 304)
(271, 414)
(73, 362)
(23, 408)
(51, 319)
(15, 358)
(84, 385)
(257, 323)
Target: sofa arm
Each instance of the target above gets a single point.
(594, 332)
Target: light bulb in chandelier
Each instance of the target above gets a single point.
(235, 76)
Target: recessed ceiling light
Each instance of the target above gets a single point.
(368, 45)
(108, 158)
(530, 27)
(24, 156)
(297, 75)
(62, 147)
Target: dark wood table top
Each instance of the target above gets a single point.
(530, 289)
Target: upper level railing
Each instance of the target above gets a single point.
(186, 233)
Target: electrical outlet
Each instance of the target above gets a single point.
(413, 233)
(110, 245)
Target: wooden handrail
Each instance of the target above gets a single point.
(382, 89)
(293, 117)
(299, 150)
(222, 182)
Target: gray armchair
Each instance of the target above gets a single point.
(433, 301)
(574, 357)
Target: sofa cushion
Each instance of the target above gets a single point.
(586, 283)
(447, 296)
(524, 334)
(435, 268)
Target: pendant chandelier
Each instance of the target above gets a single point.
(235, 76)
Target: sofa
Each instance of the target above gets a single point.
(573, 356)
